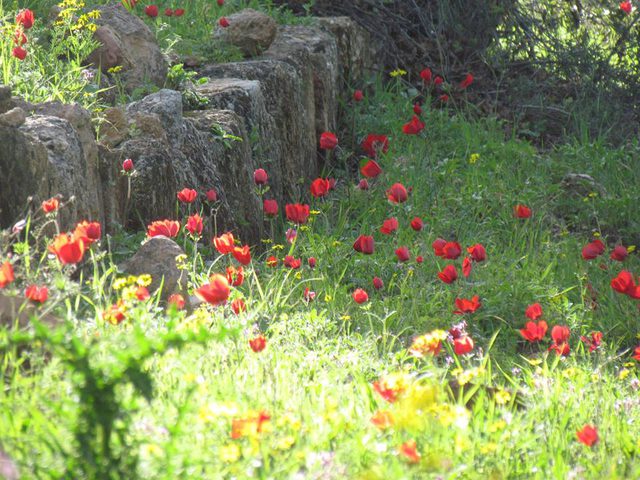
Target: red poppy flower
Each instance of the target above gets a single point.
(50, 205)
(258, 343)
(409, 451)
(463, 345)
(438, 247)
(194, 224)
(178, 12)
(89, 232)
(19, 38)
(414, 126)
(187, 195)
(417, 224)
(212, 195)
(127, 165)
(636, 353)
(116, 313)
(561, 348)
(37, 294)
(377, 283)
(374, 144)
(142, 293)
(216, 292)
(292, 262)
(328, 141)
(449, 274)
(417, 109)
(419, 259)
(477, 252)
(260, 176)
(467, 306)
(444, 98)
(364, 244)
(238, 306)
(25, 18)
(311, 261)
(403, 254)
(619, 253)
(593, 341)
(533, 312)
(223, 22)
(451, 250)
(6, 274)
(397, 193)
(151, 11)
(272, 261)
(220, 3)
(626, 7)
(588, 435)
(225, 243)
(533, 332)
(168, 228)
(426, 75)
(522, 211)
(19, 52)
(360, 296)
(560, 334)
(438, 81)
(382, 419)
(320, 187)
(466, 267)
(593, 250)
(270, 207)
(624, 283)
(168, 12)
(176, 300)
(371, 169)
(358, 95)
(235, 276)
(388, 390)
(242, 254)
(68, 249)
(389, 226)
(363, 184)
(297, 213)
(468, 80)
(308, 295)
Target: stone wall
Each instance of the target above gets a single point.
(276, 103)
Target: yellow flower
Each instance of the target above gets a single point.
(144, 280)
(345, 318)
(266, 240)
(631, 248)
(285, 443)
(497, 426)
(152, 449)
(456, 415)
(115, 69)
(624, 373)
(474, 158)
(428, 344)
(119, 283)
(336, 243)
(398, 73)
(277, 247)
(315, 212)
(489, 447)
(210, 412)
(230, 453)
(502, 397)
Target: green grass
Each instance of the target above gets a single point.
(156, 396)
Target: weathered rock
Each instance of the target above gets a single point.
(170, 153)
(6, 103)
(581, 185)
(357, 52)
(245, 98)
(157, 257)
(17, 310)
(114, 128)
(13, 118)
(52, 153)
(314, 53)
(128, 42)
(289, 100)
(252, 32)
